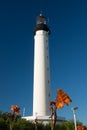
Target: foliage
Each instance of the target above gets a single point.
(3, 124)
(69, 125)
(22, 124)
(47, 127)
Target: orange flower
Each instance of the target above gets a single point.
(62, 97)
(67, 101)
(59, 98)
(59, 105)
(60, 91)
(80, 127)
(15, 109)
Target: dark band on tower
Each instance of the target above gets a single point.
(41, 24)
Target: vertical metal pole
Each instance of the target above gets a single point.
(75, 119)
(74, 114)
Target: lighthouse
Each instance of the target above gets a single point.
(41, 85)
(41, 80)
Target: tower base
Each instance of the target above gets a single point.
(43, 119)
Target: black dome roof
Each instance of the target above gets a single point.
(41, 24)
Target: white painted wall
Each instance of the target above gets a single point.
(41, 90)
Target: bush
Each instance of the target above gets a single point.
(3, 124)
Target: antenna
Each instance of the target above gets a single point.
(23, 111)
(41, 13)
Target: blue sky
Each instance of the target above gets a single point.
(67, 20)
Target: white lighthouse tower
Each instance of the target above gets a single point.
(41, 86)
(41, 90)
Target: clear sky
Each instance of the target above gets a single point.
(67, 20)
